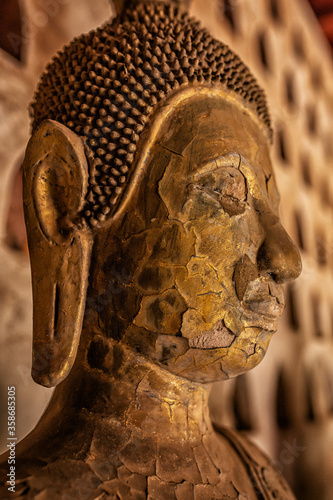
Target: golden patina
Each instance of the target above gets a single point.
(178, 286)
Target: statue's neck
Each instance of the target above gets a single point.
(139, 395)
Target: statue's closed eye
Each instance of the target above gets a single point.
(227, 186)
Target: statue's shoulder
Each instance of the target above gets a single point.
(67, 479)
(266, 478)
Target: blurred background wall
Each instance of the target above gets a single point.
(285, 404)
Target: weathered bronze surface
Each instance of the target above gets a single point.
(147, 292)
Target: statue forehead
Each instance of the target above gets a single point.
(192, 128)
(212, 124)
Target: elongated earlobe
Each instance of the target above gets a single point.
(55, 182)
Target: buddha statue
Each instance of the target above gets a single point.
(158, 260)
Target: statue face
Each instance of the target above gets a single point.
(199, 256)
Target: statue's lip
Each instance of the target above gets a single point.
(268, 307)
(258, 310)
(262, 315)
(263, 304)
(221, 337)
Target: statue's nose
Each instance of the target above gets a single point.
(278, 255)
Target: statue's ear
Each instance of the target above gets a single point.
(55, 179)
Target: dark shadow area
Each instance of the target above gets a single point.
(292, 309)
(11, 28)
(242, 405)
(283, 406)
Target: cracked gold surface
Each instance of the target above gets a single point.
(184, 289)
(214, 212)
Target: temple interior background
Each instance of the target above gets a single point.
(286, 404)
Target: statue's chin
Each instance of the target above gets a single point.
(207, 365)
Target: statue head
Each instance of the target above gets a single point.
(148, 182)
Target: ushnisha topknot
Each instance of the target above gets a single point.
(105, 85)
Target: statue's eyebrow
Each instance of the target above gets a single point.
(220, 162)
